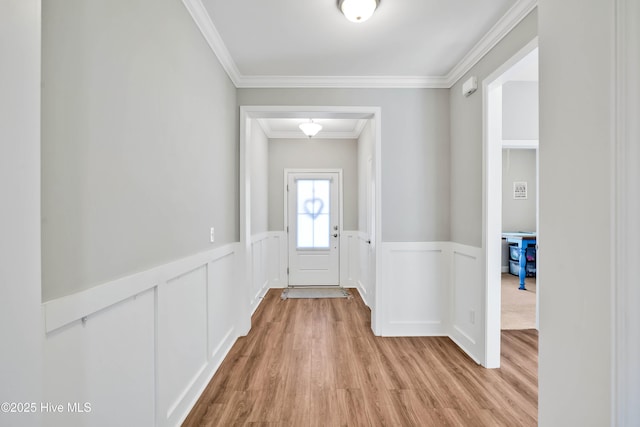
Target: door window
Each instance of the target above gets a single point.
(313, 226)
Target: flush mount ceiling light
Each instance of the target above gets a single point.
(358, 10)
(310, 128)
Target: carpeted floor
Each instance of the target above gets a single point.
(518, 307)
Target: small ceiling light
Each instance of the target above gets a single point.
(310, 128)
(358, 10)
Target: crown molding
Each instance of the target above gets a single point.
(203, 21)
(383, 82)
(507, 23)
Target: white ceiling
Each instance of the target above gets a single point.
(332, 128)
(309, 43)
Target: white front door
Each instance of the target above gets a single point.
(313, 224)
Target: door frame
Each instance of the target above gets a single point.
(286, 173)
(492, 206)
(249, 113)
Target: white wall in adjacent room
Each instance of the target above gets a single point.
(518, 165)
(520, 110)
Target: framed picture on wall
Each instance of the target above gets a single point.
(520, 190)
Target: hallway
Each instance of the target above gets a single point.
(316, 362)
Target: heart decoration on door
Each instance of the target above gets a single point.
(313, 207)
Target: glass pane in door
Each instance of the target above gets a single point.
(312, 214)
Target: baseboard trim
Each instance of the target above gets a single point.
(464, 348)
(217, 357)
(363, 293)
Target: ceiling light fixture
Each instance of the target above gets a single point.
(358, 10)
(310, 128)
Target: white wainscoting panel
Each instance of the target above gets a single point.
(223, 303)
(349, 268)
(415, 294)
(268, 264)
(270, 261)
(106, 361)
(145, 357)
(278, 259)
(222, 293)
(141, 349)
(468, 300)
(182, 338)
(365, 264)
(260, 261)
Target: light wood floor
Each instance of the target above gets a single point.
(317, 363)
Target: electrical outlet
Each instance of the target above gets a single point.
(212, 236)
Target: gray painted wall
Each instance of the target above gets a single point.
(576, 130)
(520, 110)
(466, 136)
(313, 154)
(139, 141)
(518, 165)
(259, 179)
(415, 152)
(21, 360)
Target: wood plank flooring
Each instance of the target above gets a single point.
(317, 363)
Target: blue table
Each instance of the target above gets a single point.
(523, 240)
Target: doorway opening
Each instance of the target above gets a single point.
(500, 136)
(365, 240)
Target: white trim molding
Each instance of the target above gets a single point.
(210, 33)
(249, 113)
(204, 23)
(62, 311)
(517, 13)
(492, 144)
(520, 143)
(345, 82)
